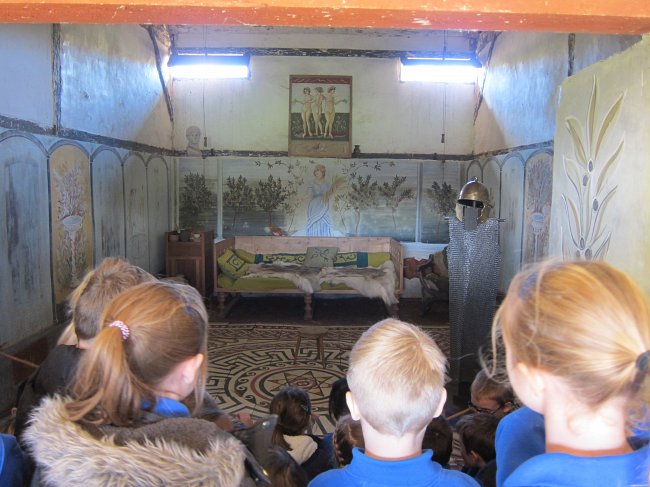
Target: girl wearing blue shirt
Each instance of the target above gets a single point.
(577, 339)
(124, 423)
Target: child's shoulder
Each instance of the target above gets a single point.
(456, 478)
(334, 478)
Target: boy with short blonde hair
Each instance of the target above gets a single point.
(396, 378)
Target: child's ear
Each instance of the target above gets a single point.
(441, 404)
(507, 407)
(191, 367)
(352, 406)
(532, 386)
(476, 459)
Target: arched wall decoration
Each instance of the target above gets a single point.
(511, 211)
(537, 215)
(25, 270)
(135, 200)
(158, 210)
(72, 226)
(108, 203)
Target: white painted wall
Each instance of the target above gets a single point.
(110, 85)
(387, 116)
(26, 79)
(522, 85)
(520, 91)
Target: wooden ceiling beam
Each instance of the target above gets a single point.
(602, 16)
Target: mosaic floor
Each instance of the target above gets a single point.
(248, 364)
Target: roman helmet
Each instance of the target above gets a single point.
(474, 195)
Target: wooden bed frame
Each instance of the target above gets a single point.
(271, 244)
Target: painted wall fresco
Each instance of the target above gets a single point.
(537, 218)
(159, 204)
(320, 121)
(404, 199)
(440, 186)
(72, 224)
(198, 193)
(585, 208)
(602, 162)
(41, 261)
(520, 185)
(325, 197)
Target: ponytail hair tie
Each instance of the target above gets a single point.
(642, 364)
(643, 361)
(124, 330)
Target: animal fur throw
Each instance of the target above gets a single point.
(372, 282)
(303, 277)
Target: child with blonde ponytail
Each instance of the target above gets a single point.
(124, 422)
(577, 340)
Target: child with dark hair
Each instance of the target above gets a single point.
(283, 470)
(477, 433)
(347, 436)
(293, 408)
(337, 408)
(337, 405)
(439, 437)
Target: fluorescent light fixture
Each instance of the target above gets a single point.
(204, 64)
(440, 69)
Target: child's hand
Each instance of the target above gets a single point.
(245, 419)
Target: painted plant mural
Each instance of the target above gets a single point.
(323, 197)
(196, 198)
(588, 170)
(318, 197)
(442, 201)
(70, 212)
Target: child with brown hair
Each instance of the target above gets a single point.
(85, 304)
(283, 470)
(347, 436)
(337, 407)
(293, 408)
(577, 342)
(439, 438)
(492, 396)
(476, 433)
(124, 422)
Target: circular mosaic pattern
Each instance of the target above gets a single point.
(249, 364)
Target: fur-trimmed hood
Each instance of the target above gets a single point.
(169, 452)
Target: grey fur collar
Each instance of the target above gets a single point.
(173, 451)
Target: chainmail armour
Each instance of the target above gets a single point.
(474, 266)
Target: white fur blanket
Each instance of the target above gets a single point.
(372, 282)
(305, 278)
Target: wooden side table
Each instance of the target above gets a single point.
(316, 333)
(192, 259)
